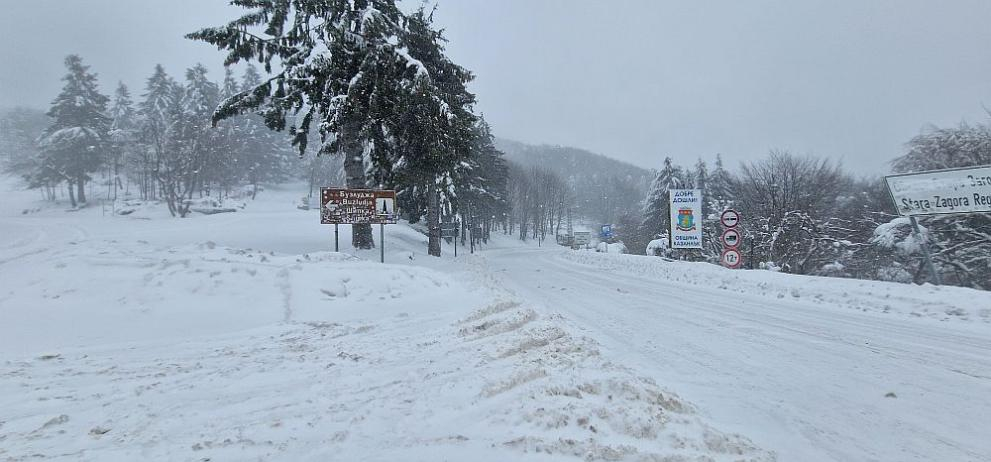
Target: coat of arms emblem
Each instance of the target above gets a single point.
(686, 220)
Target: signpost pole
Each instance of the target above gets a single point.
(382, 241)
(925, 252)
(337, 246)
(751, 252)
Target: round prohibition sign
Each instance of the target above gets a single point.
(731, 258)
(730, 238)
(730, 218)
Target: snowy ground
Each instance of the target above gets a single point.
(241, 336)
(815, 369)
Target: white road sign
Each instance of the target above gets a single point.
(686, 218)
(730, 218)
(582, 238)
(965, 190)
(730, 238)
(731, 258)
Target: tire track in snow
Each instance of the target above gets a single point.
(800, 372)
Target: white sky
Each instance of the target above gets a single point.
(635, 80)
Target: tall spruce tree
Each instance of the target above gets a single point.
(657, 205)
(330, 63)
(122, 136)
(711, 208)
(482, 180)
(432, 128)
(160, 100)
(701, 175)
(72, 146)
(225, 165)
(190, 142)
(263, 157)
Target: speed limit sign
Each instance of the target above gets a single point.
(731, 258)
(730, 218)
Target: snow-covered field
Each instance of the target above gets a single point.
(242, 336)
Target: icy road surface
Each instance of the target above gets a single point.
(816, 369)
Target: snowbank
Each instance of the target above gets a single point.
(941, 303)
(657, 247)
(617, 247)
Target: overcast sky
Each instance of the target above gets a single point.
(635, 80)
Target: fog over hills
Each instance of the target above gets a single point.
(565, 160)
(604, 189)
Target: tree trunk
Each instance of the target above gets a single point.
(313, 173)
(433, 220)
(254, 185)
(354, 169)
(81, 187)
(72, 197)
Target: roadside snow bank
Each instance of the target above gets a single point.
(110, 291)
(941, 303)
(501, 383)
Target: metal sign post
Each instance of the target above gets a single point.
(450, 231)
(337, 240)
(925, 252)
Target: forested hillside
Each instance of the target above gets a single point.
(605, 189)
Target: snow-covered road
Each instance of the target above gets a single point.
(813, 381)
(241, 336)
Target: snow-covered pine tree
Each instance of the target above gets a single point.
(225, 166)
(160, 99)
(719, 184)
(431, 128)
(329, 61)
(263, 157)
(20, 129)
(482, 180)
(122, 135)
(711, 246)
(701, 175)
(72, 146)
(190, 141)
(657, 205)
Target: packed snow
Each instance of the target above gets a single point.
(243, 336)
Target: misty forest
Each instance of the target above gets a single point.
(173, 285)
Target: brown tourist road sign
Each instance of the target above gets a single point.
(357, 206)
